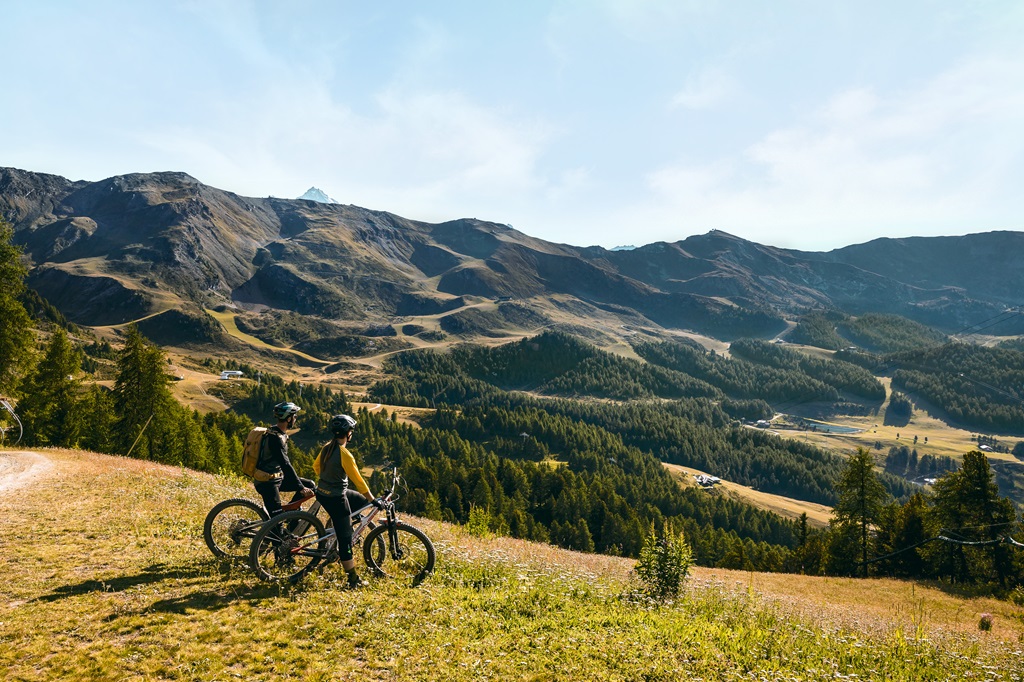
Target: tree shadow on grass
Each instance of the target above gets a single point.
(207, 598)
(154, 573)
(215, 600)
(150, 574)
(896, 419)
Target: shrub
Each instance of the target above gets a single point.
(664, 564)
(478, 524)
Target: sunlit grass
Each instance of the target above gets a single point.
(106, 577)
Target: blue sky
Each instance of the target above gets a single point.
(804, 124)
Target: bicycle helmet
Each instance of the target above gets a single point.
(284, 410)
(341, 424)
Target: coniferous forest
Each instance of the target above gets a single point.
(973, 386)
(554, 440)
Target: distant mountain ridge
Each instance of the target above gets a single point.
(130, 246)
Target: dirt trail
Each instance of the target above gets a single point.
(21, 468)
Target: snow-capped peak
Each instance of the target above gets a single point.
(314, 194)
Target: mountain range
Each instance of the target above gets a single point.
(141, 245)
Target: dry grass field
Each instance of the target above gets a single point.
(933, 436)
(400, 413)
(817, 514)
(107, 577)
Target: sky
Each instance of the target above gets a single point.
(804, 124)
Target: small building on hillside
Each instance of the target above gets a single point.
(706, 481)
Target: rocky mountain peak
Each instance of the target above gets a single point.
(317, 195)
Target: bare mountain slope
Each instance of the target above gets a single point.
(130, 246)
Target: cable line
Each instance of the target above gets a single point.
(1004, 539)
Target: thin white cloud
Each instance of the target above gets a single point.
(935, 158)
(417, 151)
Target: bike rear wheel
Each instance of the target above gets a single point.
(230, 527)
(408, 555)
(288, 547)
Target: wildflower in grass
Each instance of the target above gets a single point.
(985, 622)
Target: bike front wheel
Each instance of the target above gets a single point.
(288, 547)
(408, 554)
(230, 527)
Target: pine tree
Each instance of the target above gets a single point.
(192, 446)
(221, 460)
(52, 409)
(98, 407)
(16, 329)
(583, 541)
(861, 499)
(968, 506)
(142, 400)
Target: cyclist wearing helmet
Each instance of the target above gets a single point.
(274, 461)
(337, 469)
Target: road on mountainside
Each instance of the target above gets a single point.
(19, 468)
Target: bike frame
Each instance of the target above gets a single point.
(250, 530)
(330, 534)
(309, 541)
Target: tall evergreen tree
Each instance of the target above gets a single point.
(52, 409)
(861, 499)
(16, 327)
(968, 507)
(900, 529)
(143, 403)
(99, 413)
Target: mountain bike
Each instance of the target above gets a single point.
(10, 425)
(232, 524)
(393, 549)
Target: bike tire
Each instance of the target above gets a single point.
(377, 547)
(408, 557)
(230, 526)
(275, 554)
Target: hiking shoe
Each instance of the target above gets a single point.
(355, 582)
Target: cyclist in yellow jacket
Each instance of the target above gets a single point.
(338, 470)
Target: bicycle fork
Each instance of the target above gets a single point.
(394, 547)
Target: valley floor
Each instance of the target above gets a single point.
(106, 577)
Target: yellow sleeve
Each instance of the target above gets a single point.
(354, 477)
(318, 463)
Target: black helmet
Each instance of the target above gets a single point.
(284, 410)
(341, 424)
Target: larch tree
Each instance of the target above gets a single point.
(53, 410)
(967, 506)
(142, 399)
(861, 499)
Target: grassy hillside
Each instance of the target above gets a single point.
(818, 515)
(106, 577)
